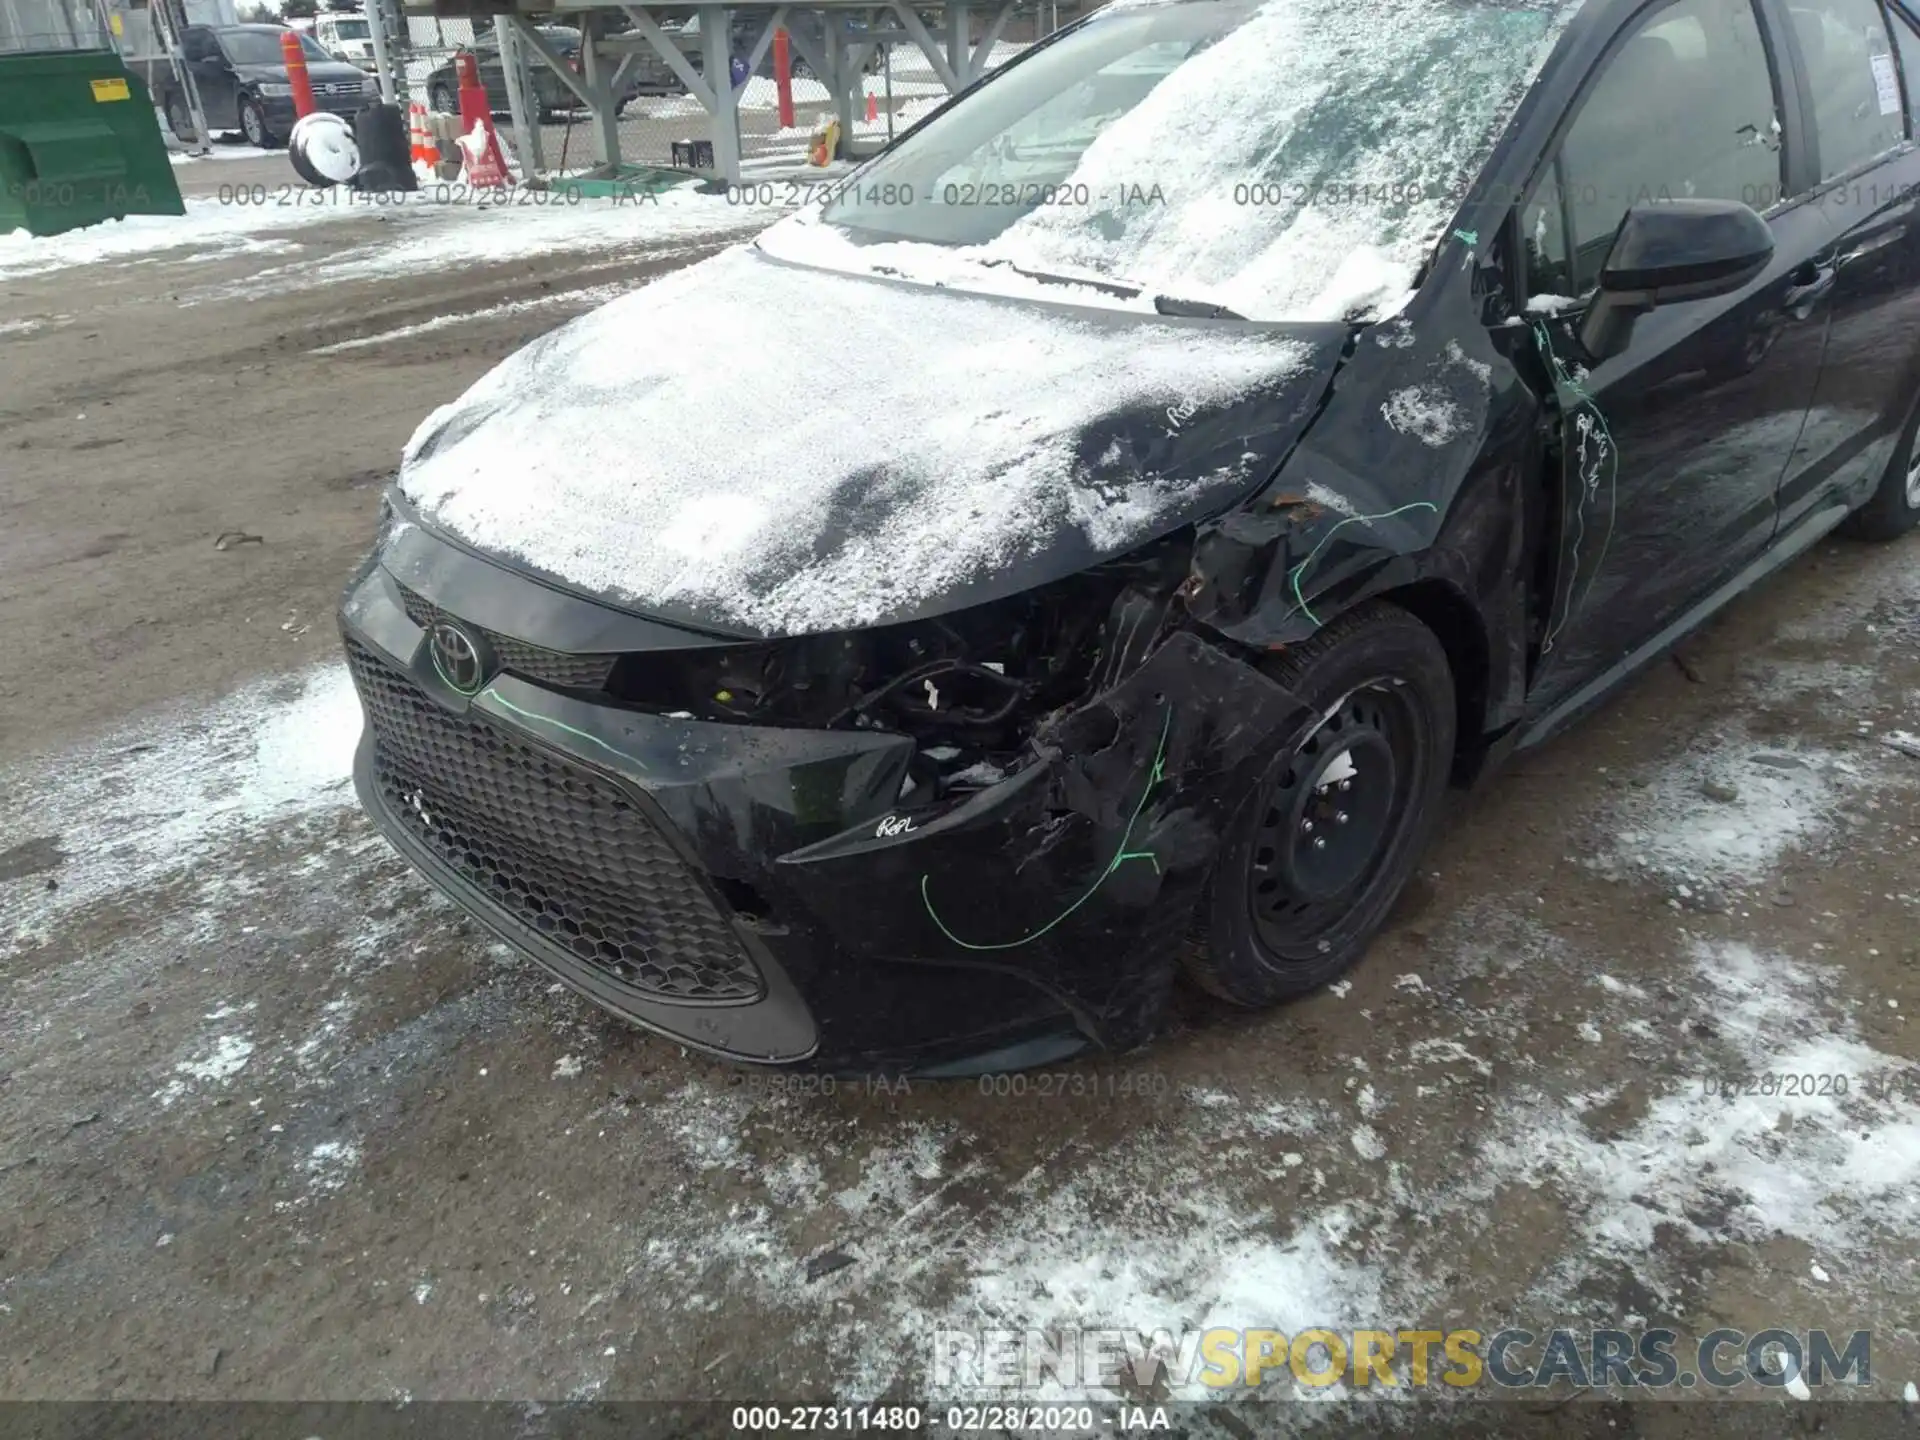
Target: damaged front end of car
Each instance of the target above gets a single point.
(969, 841)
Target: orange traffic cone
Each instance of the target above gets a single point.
(425, 151)
(873, 108)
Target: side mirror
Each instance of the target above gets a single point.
(1668, 252)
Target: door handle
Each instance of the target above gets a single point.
(1809, 285)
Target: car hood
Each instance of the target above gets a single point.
(327, 72)
(764, 449)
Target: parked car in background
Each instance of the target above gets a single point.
(243, 84)
(549, 90)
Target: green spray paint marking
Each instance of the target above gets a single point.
(1120, 857)
(1565, 384)
(1468, 238)
(562, 726)
(1313, 554)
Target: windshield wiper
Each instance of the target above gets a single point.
(1199, 309)
(1118, 289)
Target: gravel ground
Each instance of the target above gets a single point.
(275, 1122)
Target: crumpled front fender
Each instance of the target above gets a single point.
(1081, 871)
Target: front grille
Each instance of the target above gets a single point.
(531, 662)
(556, 846)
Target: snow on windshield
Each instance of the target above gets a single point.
(792, 452)
(1298, 164)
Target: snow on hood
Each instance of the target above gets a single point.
(788, 451)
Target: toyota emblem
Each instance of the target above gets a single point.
(457, 658)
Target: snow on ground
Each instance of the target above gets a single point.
(439, 236)
(589, 295)
(208, 231)
(162, 796)
(1725, 810)
(421, 233)
(1355, 1190)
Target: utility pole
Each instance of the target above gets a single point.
(382, 60)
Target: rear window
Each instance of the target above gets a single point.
(1856, 81)
(1906, 37)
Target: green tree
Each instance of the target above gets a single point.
(299, 9)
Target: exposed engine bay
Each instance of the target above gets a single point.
(972, 687)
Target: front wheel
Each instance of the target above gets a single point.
(1895, 506)
(441, 99)
(253, 124)
(1315, 858)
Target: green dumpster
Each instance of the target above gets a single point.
(79, 143)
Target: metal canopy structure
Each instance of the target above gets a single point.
(835, 48)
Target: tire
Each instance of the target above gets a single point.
(1282, 915)
(1895, 506)
(179, 118)
(440, 99)
(253, 125)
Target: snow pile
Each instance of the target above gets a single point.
(894, 445)
(212, 231)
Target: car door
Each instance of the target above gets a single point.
(1852, 68)
(1671, 451)
(212, 76)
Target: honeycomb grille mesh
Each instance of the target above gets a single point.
(555, 846)
(533, 662)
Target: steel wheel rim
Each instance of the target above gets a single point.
(250, 123)
(1309, 869)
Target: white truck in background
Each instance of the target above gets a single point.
(346, 34)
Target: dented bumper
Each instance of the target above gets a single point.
(754, 890)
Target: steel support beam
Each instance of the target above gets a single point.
(598, 82)
(911, 22)
(523, 30)
(675, 58)
(717, 59)
(524, 108)
(957, 21)
(983, 52)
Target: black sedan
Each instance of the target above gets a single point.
(549, 91)
(1211, 437)
(241, 74)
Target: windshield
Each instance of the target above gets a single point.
(351, 30)
(1285, 159)
(262, 47)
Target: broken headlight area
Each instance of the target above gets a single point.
(973, 688)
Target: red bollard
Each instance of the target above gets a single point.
(294, 56)
(491, 167)
(783, 76)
